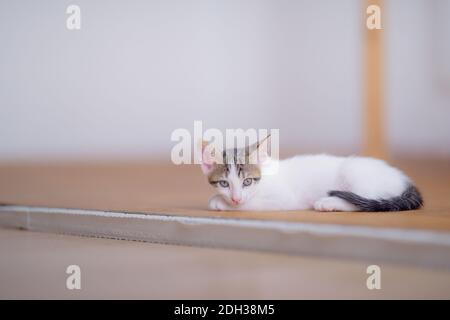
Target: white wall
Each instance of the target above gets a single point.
(137, 70)
(418, 76)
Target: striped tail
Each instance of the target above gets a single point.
(410, 199)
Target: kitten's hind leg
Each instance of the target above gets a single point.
(333, 204)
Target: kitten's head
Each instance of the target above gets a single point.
(234, 173)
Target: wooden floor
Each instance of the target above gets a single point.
(33, 265)
(182, 190)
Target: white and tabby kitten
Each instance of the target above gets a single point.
(248, 179)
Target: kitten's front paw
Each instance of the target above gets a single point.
(218, 203)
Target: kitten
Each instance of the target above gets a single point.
(248, 179)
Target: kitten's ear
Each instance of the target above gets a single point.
(259, 151)
(210, 156)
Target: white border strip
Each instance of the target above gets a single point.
(405, 235)
(392, 244)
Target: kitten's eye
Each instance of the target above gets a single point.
(224, 184)
(247, 182)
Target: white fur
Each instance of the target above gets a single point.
(303, 182)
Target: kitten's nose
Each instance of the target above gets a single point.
(235, 200)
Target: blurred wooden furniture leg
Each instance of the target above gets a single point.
(374, 122)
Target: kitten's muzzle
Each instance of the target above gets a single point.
(236, 201)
